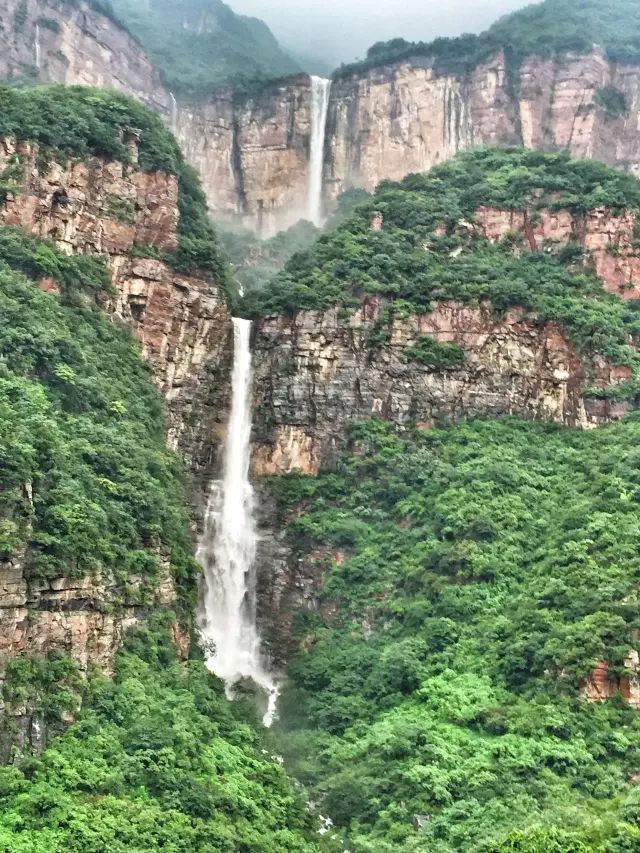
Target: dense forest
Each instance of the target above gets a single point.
(483, 570)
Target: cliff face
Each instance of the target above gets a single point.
(252, 153)
(316, 372)
(104, 208)
(72, 43)
(390, 121)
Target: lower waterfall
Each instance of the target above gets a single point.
(227, 550)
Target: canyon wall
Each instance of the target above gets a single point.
(74, 43)
(397, 119)
(98, 207)
(252, 153)
(252, 150)
(317, 371)
(104, 208)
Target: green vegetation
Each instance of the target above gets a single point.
(202, 45)
(255, 262)
(436, 354)
(77, 121)
(543, 29)
(428, 249)
(121, 209)
(612, 101)
(159, 760)
(86, 481)
(475, 576)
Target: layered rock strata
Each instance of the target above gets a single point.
(317, 371)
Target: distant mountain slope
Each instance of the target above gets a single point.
(201, 45)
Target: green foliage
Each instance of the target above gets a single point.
(10, 177)
(20, 15)
(50, 684)
(49, 24)
(612, 101)
(121, 209)
(256, 261)
(158, 761)
(85, 479)
(78, 121)
(542, 29)
(428, 249)
(436, 354)
(202, 45)
(485, 569)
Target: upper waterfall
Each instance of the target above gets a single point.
(227, 549)
(320, 91)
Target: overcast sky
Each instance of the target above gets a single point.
(340, 30)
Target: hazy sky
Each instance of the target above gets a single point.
(343, 29)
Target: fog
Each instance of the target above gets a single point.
(341, 30)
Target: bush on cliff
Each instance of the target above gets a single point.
(475, 576)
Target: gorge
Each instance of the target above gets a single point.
(319, 429)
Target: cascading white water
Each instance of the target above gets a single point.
(320, 91)
(37, 47)
(227, 549)
(174, 113)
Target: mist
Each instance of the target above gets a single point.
(336, 31)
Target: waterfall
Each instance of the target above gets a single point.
(37, 47)
(174, 113)
(320, 90)
(227, 549)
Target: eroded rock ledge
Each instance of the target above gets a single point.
(315, 372)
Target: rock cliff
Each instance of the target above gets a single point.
(252, 151)
(74, 43)
(107, 208)
(104, 208)
(397, 119)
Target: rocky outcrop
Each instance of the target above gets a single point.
(608, 238)
(106, 208)
(406, 117)
(603, 684)
(317, 371)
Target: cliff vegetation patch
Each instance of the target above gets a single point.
(86, 482)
